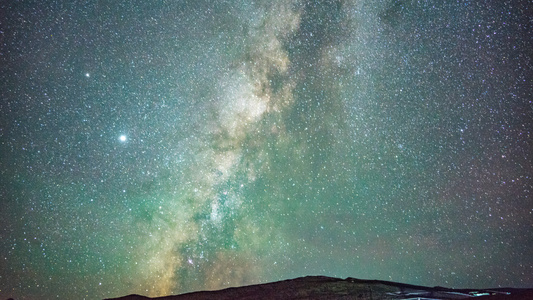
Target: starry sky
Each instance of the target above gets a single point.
(161, 147)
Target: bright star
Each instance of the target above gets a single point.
(123, 138)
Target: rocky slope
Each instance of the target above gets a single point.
(320, 287)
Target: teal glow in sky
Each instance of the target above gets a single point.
(161, 147)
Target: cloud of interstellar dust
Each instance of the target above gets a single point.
(249, 90)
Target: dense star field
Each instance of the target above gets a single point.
(160, 147)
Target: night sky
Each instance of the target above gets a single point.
(161, 147)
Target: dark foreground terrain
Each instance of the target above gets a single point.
(320, 287)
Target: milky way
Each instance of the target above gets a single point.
(166, 147)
